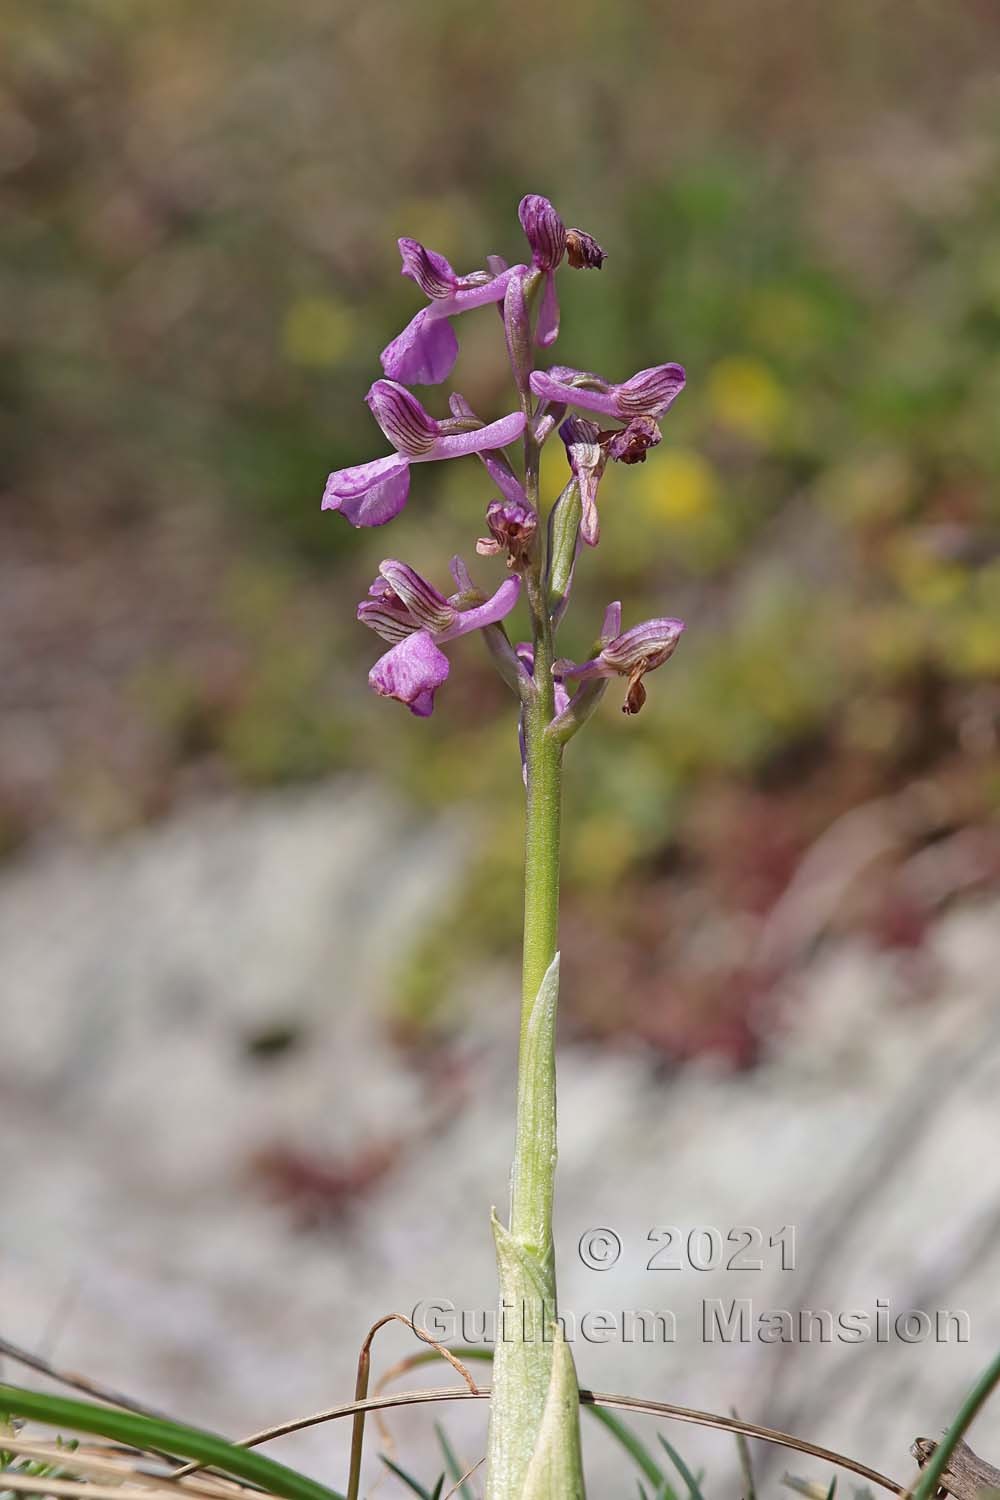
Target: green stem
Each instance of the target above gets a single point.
(983, 1388)
(534, 1440)
(534, 1168)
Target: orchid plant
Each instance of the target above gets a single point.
(534, 1443)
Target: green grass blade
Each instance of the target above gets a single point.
(693, 1487)
(746, 1464)
(983, 1388)
(411, 1483)
(167, 1437)
(455, 1469)
(635, 1448)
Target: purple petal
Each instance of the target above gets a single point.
(412, 672)
(462, 576)
(503, 476)
(432, 273)
(587, 460)
(410, 429)
(495, 435)
(651, 642)
(547, 327)
(543, 229)
(548, 385)
(651, 392)
(517, 331)
(596, 667)
(425, 352)
(612, 622)
(460, 408)
(470, 293)
(490, 613)
(429, 609)
(369, 494)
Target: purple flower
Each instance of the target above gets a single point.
(587, 459)
(426, 350)
(405, 609)
(550, 240)
(648, 394)
(373, 493)
(631, 654)
(512, 526)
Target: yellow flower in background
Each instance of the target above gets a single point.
(924, 577)
(317, 332)
(677, 485)
(745, 396)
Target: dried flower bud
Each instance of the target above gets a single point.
(583, 252)
(512, 530)
(630, 444)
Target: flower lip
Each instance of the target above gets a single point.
(369, 494)
(410, 429)
(412, 671)
(544, 231)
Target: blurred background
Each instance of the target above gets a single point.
(260, 928)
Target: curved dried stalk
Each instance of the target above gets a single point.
(361, 1387)
(589, 1398)
(463, 1477)
(109, 1464)
(85, 1489)
(77, 1382)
